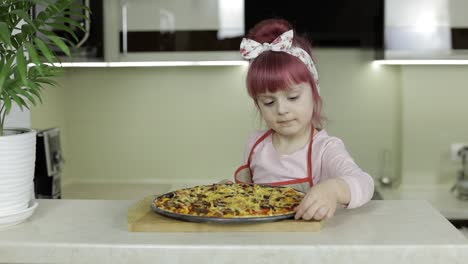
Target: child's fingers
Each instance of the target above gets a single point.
(301, 208)
(308, 211)
(321, 213)
(331, 212)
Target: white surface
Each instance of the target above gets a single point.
(17, 156)
(18, 118)
(9, 220)
(439, 196)
(95, 231)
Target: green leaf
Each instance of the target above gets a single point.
(7, 103)
(36, 92)
(34, 57)
(5, 33)
(5, 71)
(27, 30)
(24, 93)
(78, 6)
(43, 2)
(15, 42)
(18, 100)
(45, 50)
(21, 65)
(76, 14)
(70, 21)
(53, 8)
(64, 28)
(59, 43)
(42, 16)
(23, 15)
(47, 81)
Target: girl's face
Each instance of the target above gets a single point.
(287, 112)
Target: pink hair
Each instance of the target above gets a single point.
(275, 71)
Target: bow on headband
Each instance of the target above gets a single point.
(250, 49)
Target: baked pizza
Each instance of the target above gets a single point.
(230, 201)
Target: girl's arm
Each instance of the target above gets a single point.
(338, 164)
(341, 182)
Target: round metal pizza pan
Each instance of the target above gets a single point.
(205, 219)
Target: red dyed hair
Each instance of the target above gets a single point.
(275, 71)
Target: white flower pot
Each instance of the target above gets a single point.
(17, 162)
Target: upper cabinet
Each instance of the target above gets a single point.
(327, 24)
(211, 30)
(426, 29)
(151, 30)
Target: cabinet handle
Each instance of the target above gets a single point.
(124, 27)
(86, 24)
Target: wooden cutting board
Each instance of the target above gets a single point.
(141, 218)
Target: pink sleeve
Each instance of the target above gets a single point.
(336, 162)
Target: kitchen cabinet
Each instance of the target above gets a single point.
(211, 30)
(165, 30)
(426, 29)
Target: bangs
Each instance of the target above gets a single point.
(276, 71)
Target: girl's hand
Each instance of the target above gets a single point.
(322, 199)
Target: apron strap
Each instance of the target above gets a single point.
(260, 139)
(295, 181)
(309, 158)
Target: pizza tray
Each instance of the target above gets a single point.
(209, 219)
(142, 218)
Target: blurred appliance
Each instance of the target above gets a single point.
(461, 185)
(49, 162)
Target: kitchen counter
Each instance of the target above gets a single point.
(95, 231)
(439, 196)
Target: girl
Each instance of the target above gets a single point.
(295, 151)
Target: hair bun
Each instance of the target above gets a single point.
(268, 30)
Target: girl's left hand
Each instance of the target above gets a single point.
(319, 203)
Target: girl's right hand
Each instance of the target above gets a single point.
(320, 202)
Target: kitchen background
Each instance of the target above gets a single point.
(190, 123)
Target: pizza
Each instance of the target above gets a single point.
(230, 201)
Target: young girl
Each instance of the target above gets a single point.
(295, 151)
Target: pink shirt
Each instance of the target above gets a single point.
(329, 159)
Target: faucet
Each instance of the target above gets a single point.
(463, 153)
(463, 172)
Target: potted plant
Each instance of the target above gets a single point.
(29, 50)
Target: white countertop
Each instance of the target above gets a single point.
(95, 231)
(438, 195)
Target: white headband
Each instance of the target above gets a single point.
(250, 49)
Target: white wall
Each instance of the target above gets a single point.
(435, 114)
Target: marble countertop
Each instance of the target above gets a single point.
(95, 231)
(439, 196)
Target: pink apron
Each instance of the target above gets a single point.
(244, 173)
